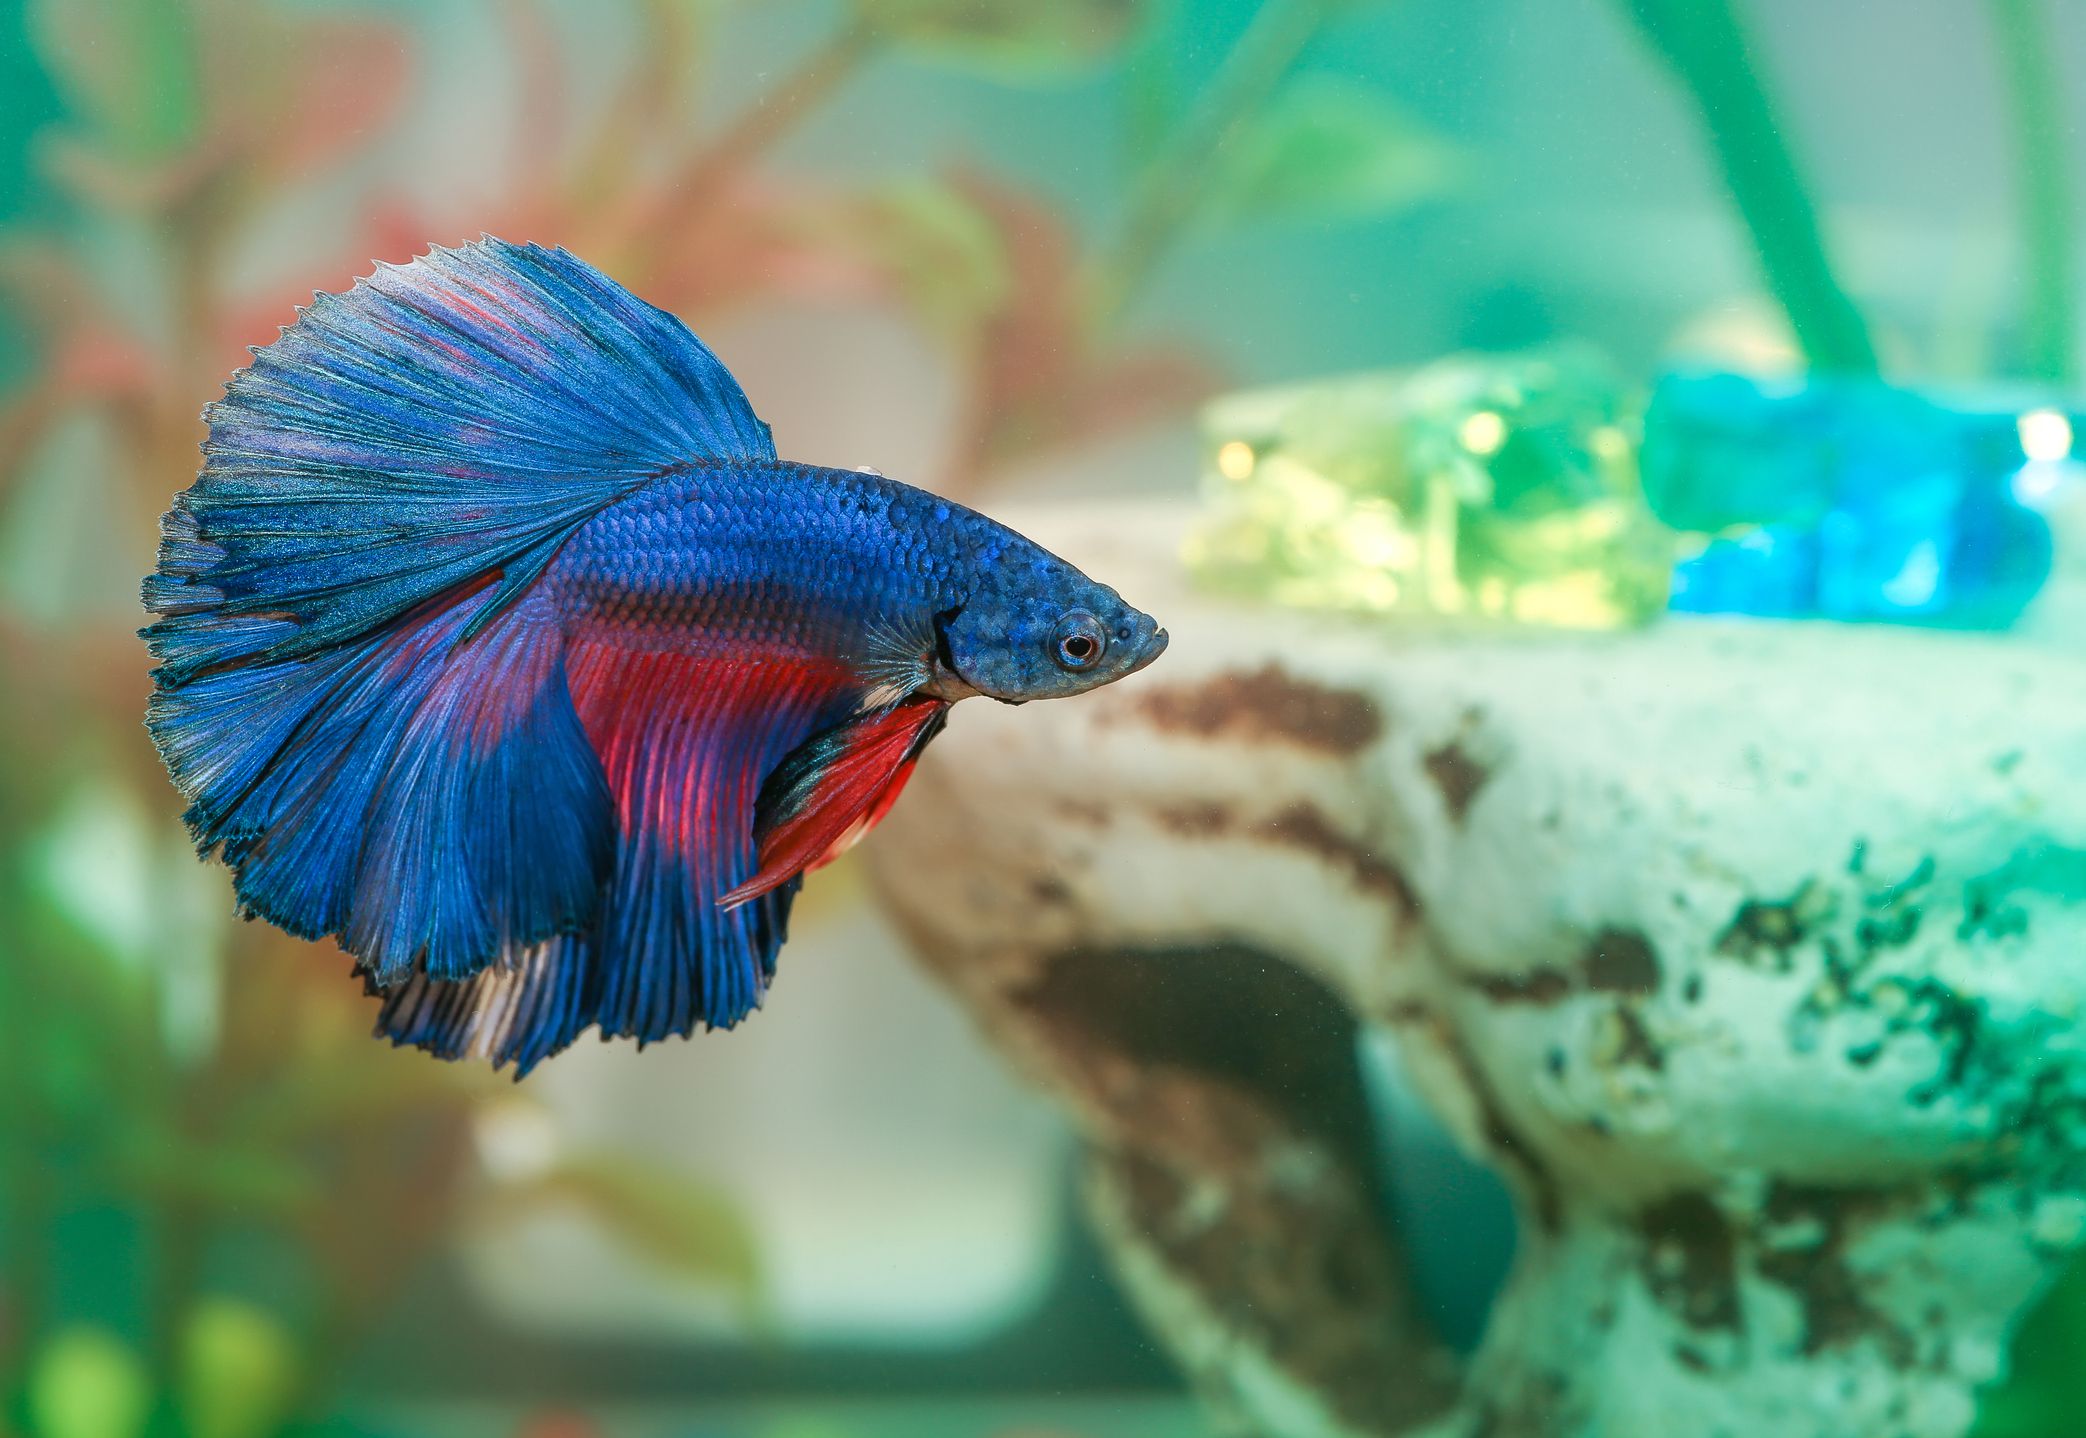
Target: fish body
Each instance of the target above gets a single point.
(496, 641)
(836, 566)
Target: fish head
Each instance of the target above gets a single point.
(1053, 634)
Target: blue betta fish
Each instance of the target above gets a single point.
(495, 640)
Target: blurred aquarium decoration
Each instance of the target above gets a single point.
(1497, 486)
(1565, 329)
(1849, 499)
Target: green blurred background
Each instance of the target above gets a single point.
(998, 247)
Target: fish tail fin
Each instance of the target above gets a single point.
(521, 1010)
(425, 794)
(360, 687)
(535, 1002)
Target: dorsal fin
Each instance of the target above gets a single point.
(441, 420)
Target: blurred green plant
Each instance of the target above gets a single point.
(282, 1130)
(1328, 148)
(1255, 142)
(1707, 46)
(2040, 1396)
(238, 1371)
(87, 1383)
(1014, 41)
(1711, 51)
(2035, 92)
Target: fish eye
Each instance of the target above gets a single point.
(1081, 640)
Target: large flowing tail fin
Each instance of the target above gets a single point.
(358, 690)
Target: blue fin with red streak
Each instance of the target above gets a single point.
(394, 791)
(356, 691)
(684, 743)
(442, 420)
(835, 788)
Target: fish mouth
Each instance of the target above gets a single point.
(1153, 648)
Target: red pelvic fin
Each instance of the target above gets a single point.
(834, 789)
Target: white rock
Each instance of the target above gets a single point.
(1749, 951)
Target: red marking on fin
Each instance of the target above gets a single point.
(834, 789)
(684, 743)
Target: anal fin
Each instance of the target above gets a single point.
(684, 742)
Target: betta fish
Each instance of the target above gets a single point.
(495, 641)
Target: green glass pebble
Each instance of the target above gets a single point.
(1491, 486)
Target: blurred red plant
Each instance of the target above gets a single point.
(239, 102)
(280, 97)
